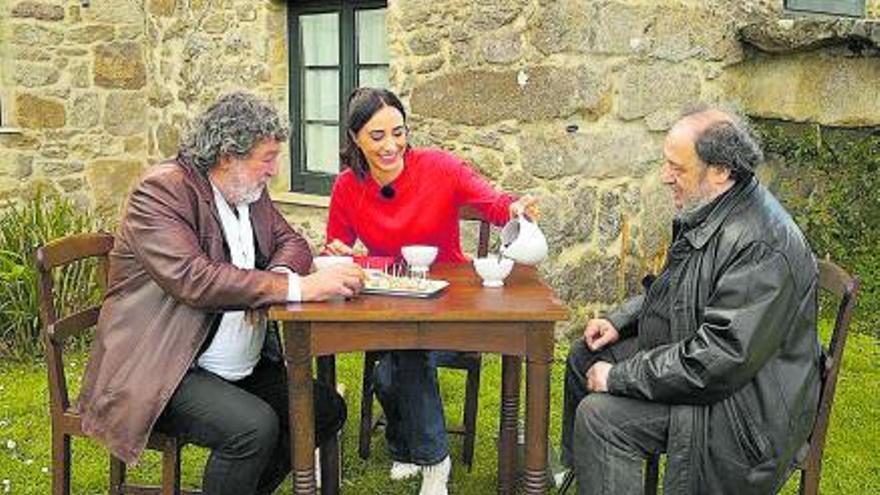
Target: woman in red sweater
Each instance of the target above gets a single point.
(390, 196)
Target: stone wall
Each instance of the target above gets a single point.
(75, 84)
(566, 99)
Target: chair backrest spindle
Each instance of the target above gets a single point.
(470, 213)
(834, 280)
(55, 329)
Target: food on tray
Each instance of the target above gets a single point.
(380, 280)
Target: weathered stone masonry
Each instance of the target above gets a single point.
(566, 99)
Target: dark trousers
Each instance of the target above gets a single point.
(606, 438)
(245, 424)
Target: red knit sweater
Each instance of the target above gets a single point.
(424, 210)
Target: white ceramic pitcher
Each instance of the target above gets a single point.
(523, 242)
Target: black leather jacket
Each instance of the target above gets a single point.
(742, 371)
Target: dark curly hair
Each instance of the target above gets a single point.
(233, 125)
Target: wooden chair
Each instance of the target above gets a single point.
(843, 288)
(471, 362)
(56, 330)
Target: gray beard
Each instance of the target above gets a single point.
(251, 196)
(238, 189)
(691, 207)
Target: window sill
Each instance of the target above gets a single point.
(10, 130)
(790, 34)
(300, 199)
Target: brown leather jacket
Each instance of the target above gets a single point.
(169, 280)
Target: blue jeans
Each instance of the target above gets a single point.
(407, 387)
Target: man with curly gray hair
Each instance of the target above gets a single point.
(181, 345)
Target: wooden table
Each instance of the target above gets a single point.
(516, 321)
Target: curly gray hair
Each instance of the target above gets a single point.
(233, 125)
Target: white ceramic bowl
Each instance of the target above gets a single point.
(322, 262)
(493, 270)
(419, 257)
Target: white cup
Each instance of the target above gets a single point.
(419, 257)
(493, 270)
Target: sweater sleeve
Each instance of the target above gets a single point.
(339, 225)
(474, 190)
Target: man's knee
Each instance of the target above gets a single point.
(596, 416)
(254, 435)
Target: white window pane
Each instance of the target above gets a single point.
(322, 148)
(321, 94)
(320, 38)
(372, 44)
(376, 77)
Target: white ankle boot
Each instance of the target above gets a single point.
(403, 470)
(318, 467)
(435, 477)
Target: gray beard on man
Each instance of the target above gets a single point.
(251, 196)
(240, 191)
(693, 204)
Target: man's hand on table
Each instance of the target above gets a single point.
(338, 280)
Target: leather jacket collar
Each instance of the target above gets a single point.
(702, 224)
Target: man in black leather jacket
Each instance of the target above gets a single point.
(717, 364)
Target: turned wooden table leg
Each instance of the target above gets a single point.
(538, 360)
(297, 340)
(511, 372)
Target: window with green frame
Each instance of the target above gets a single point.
(335, 46)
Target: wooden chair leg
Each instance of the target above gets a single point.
(810, 481)
(60, 463)
(652, 474)
(117, 476)
(471, 397)
(171, 470)
(366, 427)
(329, 450)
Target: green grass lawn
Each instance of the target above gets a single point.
(852, 462)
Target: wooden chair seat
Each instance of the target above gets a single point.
(66, 422)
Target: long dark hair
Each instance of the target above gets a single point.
(363, 103)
